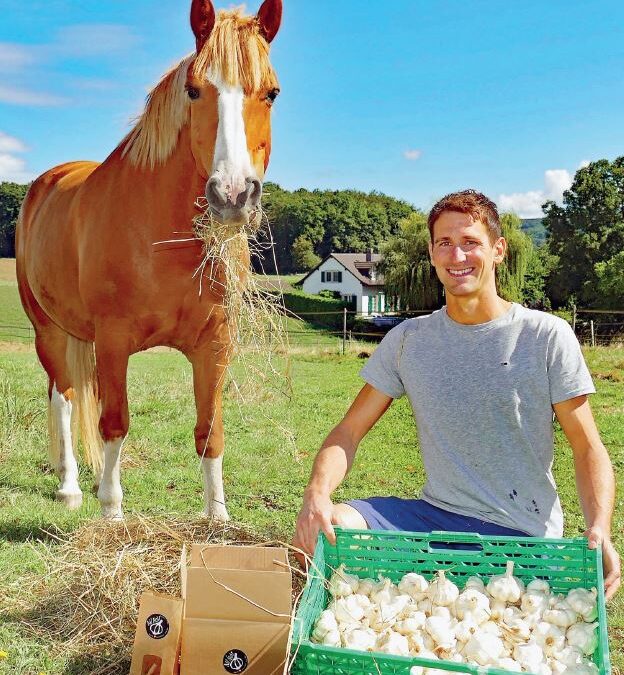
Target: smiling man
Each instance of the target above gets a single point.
(483, 377)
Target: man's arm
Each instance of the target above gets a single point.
(332, 463)
(594, 480)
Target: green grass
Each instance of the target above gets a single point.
(265, 468)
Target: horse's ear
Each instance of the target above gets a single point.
(269, 17)
(202, 21)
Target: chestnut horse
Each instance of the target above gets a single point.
(94, 284)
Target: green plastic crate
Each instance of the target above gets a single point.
(565, 563)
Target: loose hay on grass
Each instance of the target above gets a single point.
(85, 605)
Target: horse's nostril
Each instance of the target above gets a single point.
(255, 191)
(215, 194)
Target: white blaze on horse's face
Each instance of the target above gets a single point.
(234, 188)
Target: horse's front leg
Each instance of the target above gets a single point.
(209, 367)
(112, 366)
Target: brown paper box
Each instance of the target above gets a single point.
(157, 638)
(237, 610)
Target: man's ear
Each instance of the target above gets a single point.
(500, 250)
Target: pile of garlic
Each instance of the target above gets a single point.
(502, 623)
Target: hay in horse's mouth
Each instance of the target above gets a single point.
(256, 317)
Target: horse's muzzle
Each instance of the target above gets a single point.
(232, 205)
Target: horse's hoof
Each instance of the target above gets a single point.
(112, 513)
(72, 500)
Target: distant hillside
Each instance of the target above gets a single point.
(534, 228)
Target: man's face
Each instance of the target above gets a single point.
(463, 255)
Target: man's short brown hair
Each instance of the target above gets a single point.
(473, 203)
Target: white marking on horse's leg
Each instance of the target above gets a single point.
(69, 491)
(214, 497)
(110, 493)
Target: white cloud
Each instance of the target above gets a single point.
(529, 204)
(14, 57)
(584, 163)
(93, 39)
(412, 154)
(13, 168)
(18, 96)
(11, 144)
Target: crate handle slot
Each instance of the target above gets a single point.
(467, 543)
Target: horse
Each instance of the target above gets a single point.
(94, 284)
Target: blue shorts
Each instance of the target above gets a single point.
(417, 515)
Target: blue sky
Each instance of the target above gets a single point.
(411, 98)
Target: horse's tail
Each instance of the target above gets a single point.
(80, 357)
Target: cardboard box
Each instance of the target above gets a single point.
(237, 610)
(157, 639)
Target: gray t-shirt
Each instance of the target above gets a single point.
(482, 398)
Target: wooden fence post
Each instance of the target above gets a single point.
(344, 330)
(593, 336)
(574, 318)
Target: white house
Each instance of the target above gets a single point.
(354, 276)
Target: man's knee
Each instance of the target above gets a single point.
(346, 516)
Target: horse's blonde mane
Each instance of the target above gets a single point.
(235, 54)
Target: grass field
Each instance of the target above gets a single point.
(271, 442)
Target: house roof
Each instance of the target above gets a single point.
(351, 262)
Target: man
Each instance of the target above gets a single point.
(483, 376)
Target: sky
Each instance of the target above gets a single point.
(413, 98)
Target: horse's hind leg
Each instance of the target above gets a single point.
(51, 345)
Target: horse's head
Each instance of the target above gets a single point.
(232, 86)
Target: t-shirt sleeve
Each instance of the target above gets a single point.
(382, 368)
(568, 375)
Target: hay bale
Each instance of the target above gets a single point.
(85, 606)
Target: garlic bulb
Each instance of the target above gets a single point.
(570, 656)
(506, 587)
(366, 586)
(497, 609)
(351, 608)
(561, 615)
(529, 656)
(538, 586)
(484, 648)
(442, 591)
(584, 603)
(413, 585)
(517, 628)
(584, 637)
(342, 584)
(443, 612)
(384, 591)
(411, 625)
(324, 624)
(476, 583)
(391, 642)
(491, 627)
(557, 667)
(472, 602)
(440, 630)
(331, 639)
(533, 602)
(362, 639)
(549, 637)
(465, 629)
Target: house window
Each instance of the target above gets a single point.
(331, 276)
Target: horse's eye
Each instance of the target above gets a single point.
(193, 93)
(272, 95)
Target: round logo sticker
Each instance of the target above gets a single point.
(235, 661)
(157, 626)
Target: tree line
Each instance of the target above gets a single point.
(581, 259)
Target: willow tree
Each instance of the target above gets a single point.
(511, 274)
(410, 278)
(408, 274)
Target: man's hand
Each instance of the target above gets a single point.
(610, 560)
(315, 515)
